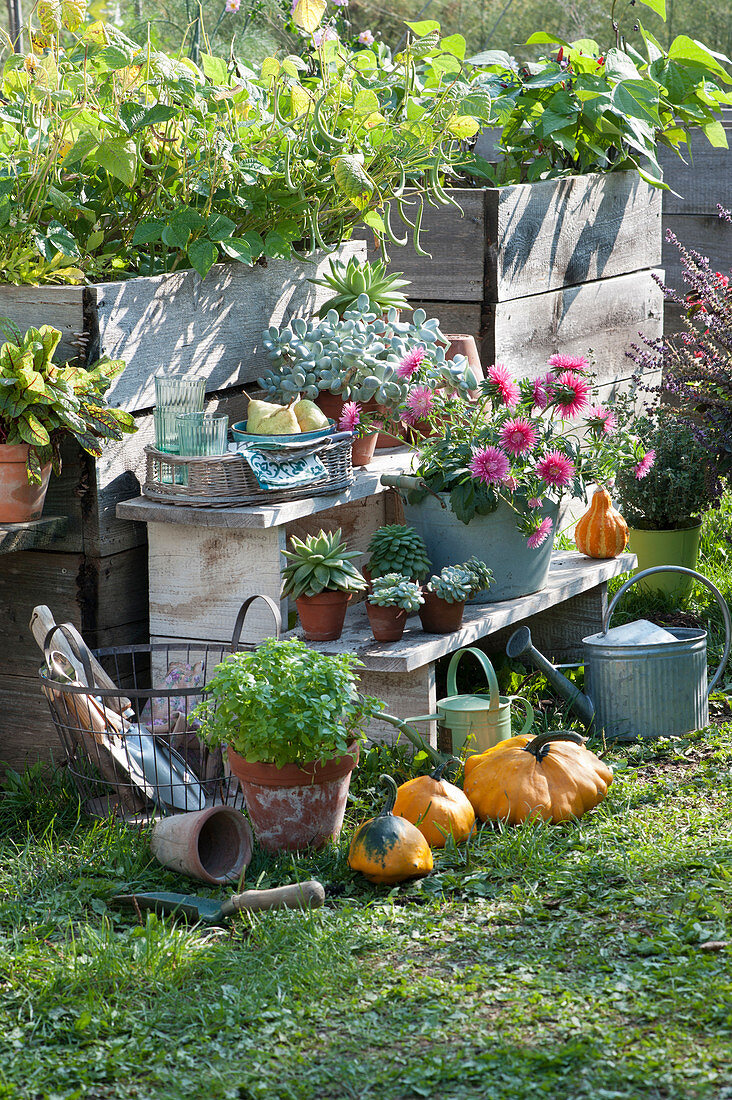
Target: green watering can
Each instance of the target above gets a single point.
(474, 721)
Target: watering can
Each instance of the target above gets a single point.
(641, 680)
(474, 720)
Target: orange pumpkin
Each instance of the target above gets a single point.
(472, 762)
(601, 532)
(436, 807)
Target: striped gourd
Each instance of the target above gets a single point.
(601, 532)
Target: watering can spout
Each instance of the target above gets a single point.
(519, 645)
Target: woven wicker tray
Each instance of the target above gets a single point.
(228, 479)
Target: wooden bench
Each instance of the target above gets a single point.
(204, 561)
(36, 534)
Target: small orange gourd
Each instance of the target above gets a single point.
(388, 849)
(436, 807)
(601, 532)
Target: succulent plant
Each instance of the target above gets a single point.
(358, 356)
(320, 563)
(396, 590)
(452, 584)
(481, 577)
(349, 281)
(397, 548)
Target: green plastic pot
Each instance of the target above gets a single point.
(677, 547)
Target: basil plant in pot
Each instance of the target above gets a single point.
(42, 402)
(321, 577)
(663, 503)
(291, 720)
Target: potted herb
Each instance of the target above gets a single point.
(446, 592)
(321, 577)
(349, 281)
(398, 548)
(41, 403)
(291, 720)
(392, 598)
(663, 503)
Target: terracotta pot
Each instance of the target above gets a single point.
(362, 450)
(438, 616)
(387, 623)
(322, 616)
(292, 808)
(332, 405)
(20, 502)
(464, 344)
(213, 845)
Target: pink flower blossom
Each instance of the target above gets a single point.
(232, 5)
(502, 385)
(517, 436)
(568, 362)
(490, 465)
(534, 502)
(540, 393)
(341, 3)
(511, 483)
(603, 419)
(420, 401)
(574, 397)
(366, 38)
(411, 362)
(540, 535)
(555, 469)
(324, 34)
(350, 417)
(645, 464)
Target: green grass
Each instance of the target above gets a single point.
(579, 962)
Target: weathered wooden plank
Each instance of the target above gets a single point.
(27, 733)
(405, 695)
(454, 271)
(357, 521)
(703, 233)
(558, 631)
(604, 316)
(456, 318)
(35, 535)
(703, 181)
(366, 484)
(62, 307)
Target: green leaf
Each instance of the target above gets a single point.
(176, 236)
(454, 44)
(307, 14)
(219, 227)
(276, 245)
(238, 249)
(148, 231)
(619, 66)
(80, 150)
(119, 158)
(353, 180)
(113, 58)
(715, 134)
(61, 240)
(541, 38)
(203, 255)
(374, 220)
(365, 102)
(638, 99)
(425, 27)
(684, 48)
(32, 431)
(135, 116)
(270, 68)
(463, 126)
(659, 6)
(674, 78)
(215, 69)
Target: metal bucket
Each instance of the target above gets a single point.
(658, 689)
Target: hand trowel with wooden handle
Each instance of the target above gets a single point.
(298, 895)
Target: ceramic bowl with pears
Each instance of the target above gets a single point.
(267, 423)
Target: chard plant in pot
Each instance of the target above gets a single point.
(392, 598)
(291, 720)
(446, 592)
(42, 402)
(321, 577)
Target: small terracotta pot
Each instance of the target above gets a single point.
(332, 405)
(362, 450)
(438, 616)
(292, 808)
(387, 623)
(464, 344)
(20, 502)
(322, 616)
(213, 845)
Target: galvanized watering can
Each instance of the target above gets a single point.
(474, 720)
(641, 680)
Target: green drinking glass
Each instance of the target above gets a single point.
(206, 436)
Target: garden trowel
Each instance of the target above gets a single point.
(298, 895)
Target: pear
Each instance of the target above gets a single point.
(266, 418)
(309, 416)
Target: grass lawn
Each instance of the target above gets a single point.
(590, 960)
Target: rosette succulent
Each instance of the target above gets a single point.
(358, 357)
(320, 563)
(453, 584)
(396, 590)
(349, 281)
(481, 577)
(397, 548)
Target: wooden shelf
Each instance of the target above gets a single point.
(366, 484)
(34, 535)
(571, 574)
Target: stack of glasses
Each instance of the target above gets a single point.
(180, 425)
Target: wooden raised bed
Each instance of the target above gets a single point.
(95, 572)
(532, 269)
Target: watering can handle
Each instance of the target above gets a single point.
(495, 695)
(239, 624)
(697, 576)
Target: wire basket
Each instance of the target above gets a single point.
(226, 480)
(133, 748)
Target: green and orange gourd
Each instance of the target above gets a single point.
(387, 849)
(601, 532)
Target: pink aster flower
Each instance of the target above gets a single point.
(534, 502)
(366, 38)
(602, 419)
(555, 469)
(540, 535)
(575, 389)
(645, 464)
(420, 401)
(502, 385)
(517, 436)
(232, 5)
(568, 362)
(490, 465)
(411, 362)
(350, 417)
(540, 393)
